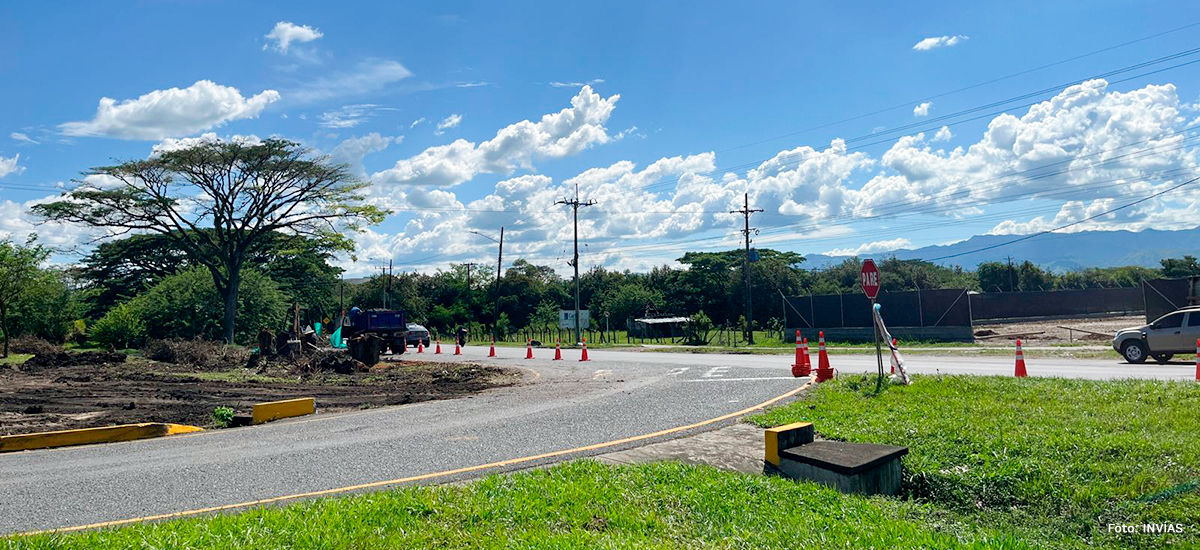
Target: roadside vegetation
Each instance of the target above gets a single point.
(1049, 461)
(576, 505)
(993, 463)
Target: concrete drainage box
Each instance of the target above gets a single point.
(860, 468)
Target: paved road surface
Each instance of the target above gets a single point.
(562, 405)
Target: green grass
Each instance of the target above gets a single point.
(576, 505)
(15, 358)
(994, 463)
(1050, 461)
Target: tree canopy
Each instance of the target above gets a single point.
(18, 273)
(218, 202)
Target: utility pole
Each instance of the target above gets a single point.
(469, 266)
(1010, 275)
(575, 204)
(499, 259)
(746, 211)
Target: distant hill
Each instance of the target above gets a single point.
(1058, 252)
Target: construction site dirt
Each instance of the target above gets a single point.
(69, 396)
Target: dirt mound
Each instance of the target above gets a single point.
(334, 361)
(68, 359)
(199, 354)
(32, 344)
(314, 362)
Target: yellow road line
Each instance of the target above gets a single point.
(422, 477)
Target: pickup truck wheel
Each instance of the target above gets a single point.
(1134, 351)
(1163, 358)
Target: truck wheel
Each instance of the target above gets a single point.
(1134, 351)
(1163, 358)
(399, 347)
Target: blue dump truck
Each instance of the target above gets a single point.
(369, 332)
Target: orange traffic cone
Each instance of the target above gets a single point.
(558, 350)
(806, 370)
(492, 351)
(1198, 359)
(1020, 361)
(457, 348)
(420, 348)
(584, 356)
(895, 344)
(438, 349)
(824, 371)
(529, 350)
(798, 366)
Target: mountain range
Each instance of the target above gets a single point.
(1055, 251)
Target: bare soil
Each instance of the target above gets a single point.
(70, 395)
(1051, 334)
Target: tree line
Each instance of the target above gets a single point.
(144, 286)
(223, 239)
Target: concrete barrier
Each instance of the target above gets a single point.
(785, 437)
(86, 436)
(266, 412)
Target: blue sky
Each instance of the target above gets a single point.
(702, 88)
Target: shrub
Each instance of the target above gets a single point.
(46, 309)
(186, 305)
(120, 328)
(223, 416)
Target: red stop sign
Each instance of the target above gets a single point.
(870, 279)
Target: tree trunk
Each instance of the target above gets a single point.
(4, 326)
(231, 301)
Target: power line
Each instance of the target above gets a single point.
(575, 204)
(971, 87)
(1089, 218)
(745, 212)
(749, 166)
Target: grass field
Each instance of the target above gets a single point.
(576, 505)
(15, 358)
(1049, 461)
(994, 463)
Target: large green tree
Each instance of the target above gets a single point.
(18, 271)
(219, 202)
(121, 269)
(1180, 267)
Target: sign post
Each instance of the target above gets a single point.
(870, 286)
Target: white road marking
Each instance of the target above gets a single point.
(601, 373)
(679, 370)
(741, 379)
(715, 372)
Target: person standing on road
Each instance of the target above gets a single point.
(462, 336)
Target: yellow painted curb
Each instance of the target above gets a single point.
(791, 434)
(86, 436)
(266, 412)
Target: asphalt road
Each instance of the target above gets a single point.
(562, 405)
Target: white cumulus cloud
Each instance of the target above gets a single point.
(922, 109)
(171, 113)
(285, 33)
(560, 134)
(9, 166)
(352, 151)
(939, 42)
(873, 247)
